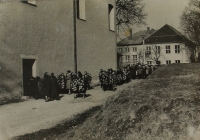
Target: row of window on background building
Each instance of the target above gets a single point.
(149, 49)
(81, 11)
(135, 60)
(169, 61)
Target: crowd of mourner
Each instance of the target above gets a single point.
(49, 87)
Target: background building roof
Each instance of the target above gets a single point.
(166, 34)
(136, 39)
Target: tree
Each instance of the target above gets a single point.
(129, 12)
(154, 53)
(190, 22)
(140, 55)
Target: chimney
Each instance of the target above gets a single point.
(148, 30)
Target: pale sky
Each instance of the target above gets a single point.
(161, 12)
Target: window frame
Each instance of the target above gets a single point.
(111, 17)
(30, 2)
(81, 10)
(127, 49)
(168, 49)
(177, 61)
(158, 50)
(134, 49)
(148, 50)
(134, 59)
(177, 48)
(149, 62)
(168, 62)
(120, 50)
(127, 58)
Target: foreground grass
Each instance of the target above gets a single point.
(164, 106)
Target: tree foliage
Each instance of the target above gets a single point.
(190, 21)
(129, 12)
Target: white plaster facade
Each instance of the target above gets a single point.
(134, 53)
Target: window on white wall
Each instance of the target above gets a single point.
(158, 49)
(134, 49)
(120, 50)
(177, 49)
(127, 58)
(177, 61)
(167, 49)
(31, 2)
(81, 14)
(149, 62)
(134, 59)
(168, 61)
(127, 49)
(111, 16)
(148, 49)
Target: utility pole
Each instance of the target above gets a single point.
(75, 44)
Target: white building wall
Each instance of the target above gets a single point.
(183, 56)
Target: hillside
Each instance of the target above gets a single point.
(164, 106)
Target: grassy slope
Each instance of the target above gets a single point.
(164, 106)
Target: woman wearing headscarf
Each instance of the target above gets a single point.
(74, 85)
(68, 81)
(46, 87)
(61, 83)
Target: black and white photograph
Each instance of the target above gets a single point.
(99, 69)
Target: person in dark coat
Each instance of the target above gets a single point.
(134, 72)
(39, 86)
(46, 87)
(100, 77)
(33, 89)
(119, 77)
(139, 72)
(80, 75)
(143, 72)
(86, 80)
(68, 81)
(54, 94)
(114, 75)
(147, 71)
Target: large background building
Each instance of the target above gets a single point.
(40, 36)
(163, 46)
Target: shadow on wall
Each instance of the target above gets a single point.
(9, 81)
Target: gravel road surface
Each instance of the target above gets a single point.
(33, 115)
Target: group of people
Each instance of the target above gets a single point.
(50, 87)
(110, 78)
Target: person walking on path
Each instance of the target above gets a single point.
(46, 87)
(54, 94)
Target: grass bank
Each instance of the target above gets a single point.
(164, 106)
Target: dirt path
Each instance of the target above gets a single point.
(33, 115)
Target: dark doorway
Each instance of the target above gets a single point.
(29, 70)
